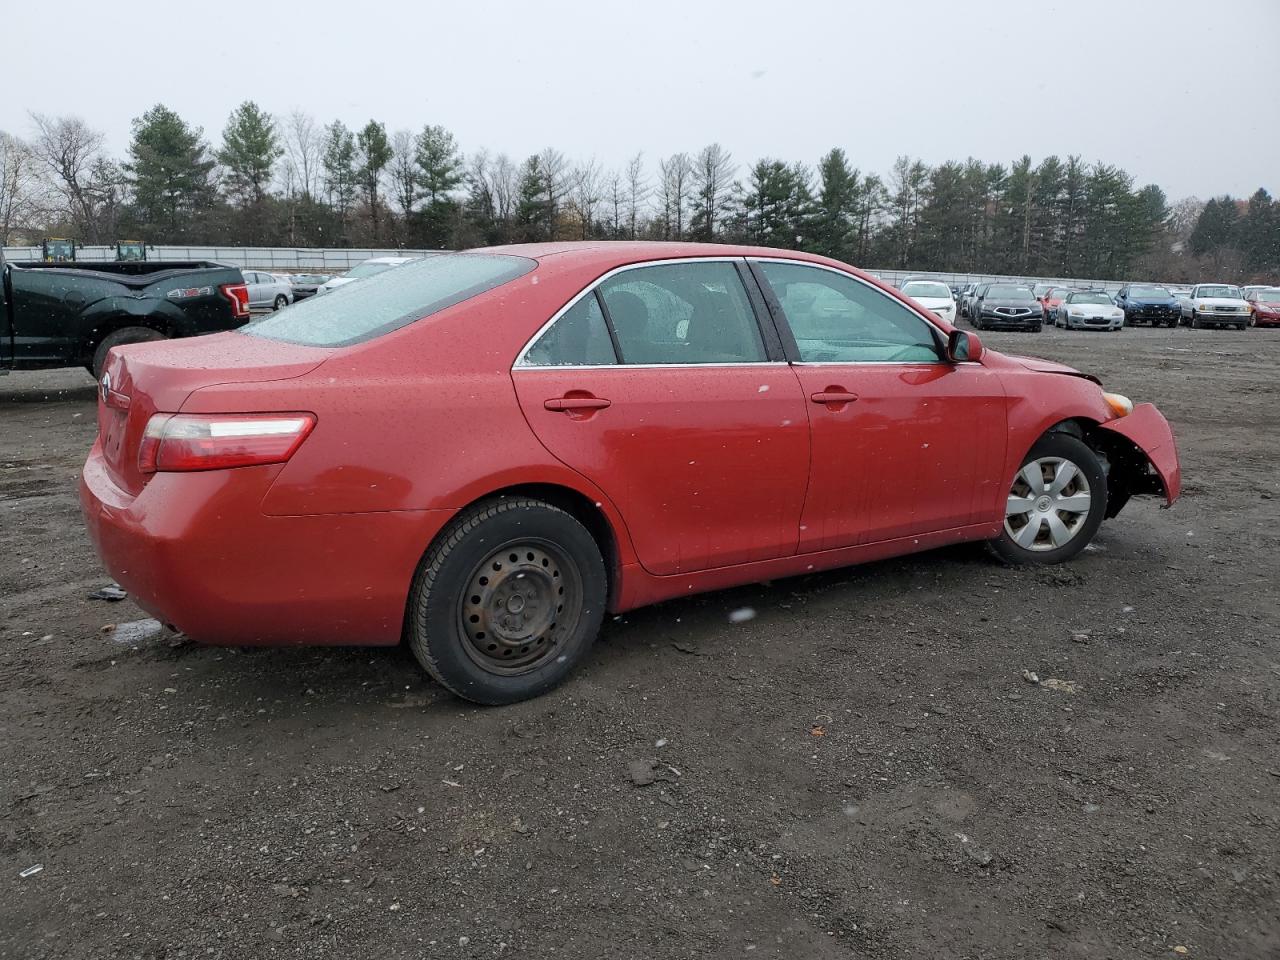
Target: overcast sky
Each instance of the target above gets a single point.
(1182, 93)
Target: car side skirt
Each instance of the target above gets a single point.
(640, 588)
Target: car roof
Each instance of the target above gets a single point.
(607, 254)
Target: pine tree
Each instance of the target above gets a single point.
(339, 164)
(170, 173)
(250, 149)
(835, 210)
(374, 154)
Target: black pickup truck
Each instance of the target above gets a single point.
(72, 314)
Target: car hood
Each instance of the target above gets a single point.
(1221, 302)
(934, 303)
(996, 302)
(1038, 365)
(1153, 301)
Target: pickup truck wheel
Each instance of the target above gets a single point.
(117, 338)
(1056, 502)
(1195, 320)
(507, 601)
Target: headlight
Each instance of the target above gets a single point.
(1073, 312)
(1120, 405)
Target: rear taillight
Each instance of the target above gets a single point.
(216, 441)
(238, 294)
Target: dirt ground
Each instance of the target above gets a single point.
(860, 770)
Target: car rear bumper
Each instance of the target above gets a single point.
(1148, 430)
(195, 551)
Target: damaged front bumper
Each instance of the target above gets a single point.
(1143, 457)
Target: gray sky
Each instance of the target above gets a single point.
(1112, 80)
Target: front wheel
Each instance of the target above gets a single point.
(507, 601)
(1056, 502)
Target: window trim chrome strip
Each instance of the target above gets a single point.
(519, 363)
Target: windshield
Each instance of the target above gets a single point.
(365, 270)
(1217, 290)
(354, 314)
(1153, 292)
(1058, 293)
(1008, 291)
(1088, 298)
(926, 288)
(1269, 295)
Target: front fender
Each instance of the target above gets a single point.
(1148, 430)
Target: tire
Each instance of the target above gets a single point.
(482, 624)
(1029, 535)
(118, 338)
(280, 302)
(1035, 328)
(1195, 320)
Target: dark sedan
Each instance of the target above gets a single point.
(1143, 303)
(1006, 306)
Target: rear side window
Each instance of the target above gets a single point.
(682, 313)
(579, 338)
(357, 312)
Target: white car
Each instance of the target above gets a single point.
(1215, 305)
(933, 295)
(1090, 310)
(363, 271)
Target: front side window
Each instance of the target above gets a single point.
(361, 311)
(578, 339)
(837, 319)
(682, 313)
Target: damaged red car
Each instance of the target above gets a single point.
(484, 453)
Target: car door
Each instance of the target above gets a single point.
(663, 385)
(903, 442)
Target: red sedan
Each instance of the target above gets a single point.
(1264, 304)
(483, 453)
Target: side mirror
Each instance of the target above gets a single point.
(963, 346)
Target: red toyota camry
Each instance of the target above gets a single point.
(482, 453)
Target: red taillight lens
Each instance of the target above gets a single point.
(238, 294)
(216, 441)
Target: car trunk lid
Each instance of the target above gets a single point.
(141, 380)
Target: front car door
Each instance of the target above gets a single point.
(904, 442)
(664, 385)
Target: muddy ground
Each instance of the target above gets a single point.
(859, 771)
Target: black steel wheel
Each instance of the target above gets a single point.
(507, 601)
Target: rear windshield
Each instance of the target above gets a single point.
(361, 311)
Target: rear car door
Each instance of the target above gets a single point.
(903, 441)
(662, 384)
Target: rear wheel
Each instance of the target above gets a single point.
(280, 302)
(507, 601)
(1056, 502)
(118, 338)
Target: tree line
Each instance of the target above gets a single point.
(292, 181)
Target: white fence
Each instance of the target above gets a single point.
(284, 259)
(324, 260)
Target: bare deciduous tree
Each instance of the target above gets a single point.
(637, 192)
(20, 188)
(675, 186)
(555, 171)
(69, 148)
(404, 174)
(712, 178)
(585, 194)
(303, 145)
